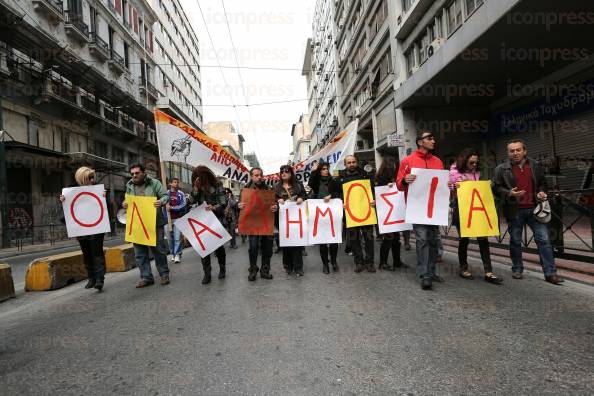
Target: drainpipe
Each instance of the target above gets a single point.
(3, 185)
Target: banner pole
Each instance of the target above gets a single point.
(163, 175)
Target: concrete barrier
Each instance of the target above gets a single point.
(120, 258)
(54, 272)
(6, 283)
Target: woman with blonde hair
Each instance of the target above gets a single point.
(91, 245)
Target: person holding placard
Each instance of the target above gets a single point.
(258, 243)
(520, 185)
(325, 187)
(177, 209)
(91, 245)
(363, 234)
(143, 185)
(466, 169)
(427, 236)
(386, 176)
(231, 216)
(288, 188)
(206, 188)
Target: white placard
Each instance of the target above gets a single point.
(324, 221)
(85, 210)
(391, 210)
(292, 229)
(204, 231)
(428, 200)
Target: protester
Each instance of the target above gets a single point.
(406, 236)
(288, 188)
(231, 216)
(466, 169)
(386, 176)
(90, 245)
(207, 189)
(259, 243)
(142, 184)
(520, 186)
(325, 187)
(427, 236)
(355, 235)
(176, 207)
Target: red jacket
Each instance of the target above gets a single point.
(416, 160)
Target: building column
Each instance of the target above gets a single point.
(406, 124)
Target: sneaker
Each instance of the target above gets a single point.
(426, 284)
(164, 280)
(517, 275)
(349, 253)
(144, 283)
(177, 259)
(554, 279)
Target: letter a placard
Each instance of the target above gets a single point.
(478, 216)
(357, 197)
(141, 220)
(256, 218)
(391, 210)
(325, 221)
(292, 227)
(428, 200)
(204, 231)
(85, 211)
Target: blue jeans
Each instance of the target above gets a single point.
(175, 245)
(141, 253)
(427, 240)
(541, 237)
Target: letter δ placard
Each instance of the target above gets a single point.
(391, 210)
(204, 231)
(478, 216)
(324, 221)
(85, 211)
(357, 204)
(256, 218)
(428, 200)
(141, 220)
(292, 228)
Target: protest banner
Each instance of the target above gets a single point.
(203, 230)
(85, 211)
(357, 204)
(391, 210)
(292, 227)
(141, 220)
(324, 221)
(428, 199)
(476, 207)
(257, 218)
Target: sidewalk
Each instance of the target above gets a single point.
(42, 247)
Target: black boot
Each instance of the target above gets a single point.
(100, 273)
(335, 266)
(384, 251)
(265, 271)
(206, 267)
(222, 271)
(90, 276)
(90, 283)
(325, 268)
(396, 263)
(253, 273)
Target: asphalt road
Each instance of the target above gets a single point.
(337, 334)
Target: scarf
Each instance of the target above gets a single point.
(323, 188)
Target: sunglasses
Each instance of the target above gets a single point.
(285, 170)
(428, 137)
(473, 162)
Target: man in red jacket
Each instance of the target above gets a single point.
(427, 235)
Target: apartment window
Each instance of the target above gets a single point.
(75, 6)
(99, 149)
(454, 16)
(385, 67)
(117, 154)
(132, 158)
(93, 15)
(32, 132)
(406, 4)
(411, 61)
(127, 55)
(125, 14)
(472, 5)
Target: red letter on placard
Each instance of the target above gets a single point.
(80, 223)
(324, 213)
(432, 190)
(384, 197)
(288, 222)
(204, 228)
(135, 210)
(479, 208)
(256, 204)
(348, 208)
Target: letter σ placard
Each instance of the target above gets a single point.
(204, 231)
(428, 200)
(476, 206)
(141, 220)
(292, 227)
(391, 210)
(358, 210)
(325, 221)
(85, 211)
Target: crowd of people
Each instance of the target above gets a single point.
(518, 185)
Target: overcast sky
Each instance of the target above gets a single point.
(266, 33)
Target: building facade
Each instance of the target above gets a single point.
(300, 133)
(78, 89)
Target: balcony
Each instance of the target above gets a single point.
(52, 8)
(75, 27)
(99, 47)
(146, 88)
(117, 63)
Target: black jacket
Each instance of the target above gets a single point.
(504, 181)
(296, 191)
(315, 178)
(216, 197)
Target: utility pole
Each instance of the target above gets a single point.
(3, 185)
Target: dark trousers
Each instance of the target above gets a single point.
(355, 237)
(463, 247)
(293, 259)
(390, 241)
(221, 258)
(259, 243)
(93, 256)
(333, 248)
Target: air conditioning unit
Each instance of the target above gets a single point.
(362, 144)
(358, 111)
(434, 46)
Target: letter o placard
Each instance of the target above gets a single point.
(80, 223)
(348, 208)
